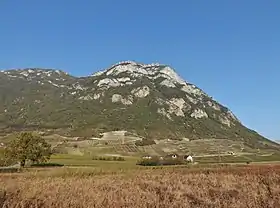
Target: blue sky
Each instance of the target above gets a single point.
(230, 49)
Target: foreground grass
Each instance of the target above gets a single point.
(233, 186)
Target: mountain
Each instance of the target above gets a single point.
(150, 100)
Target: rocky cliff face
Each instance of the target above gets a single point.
(174, 96)
(150, 100)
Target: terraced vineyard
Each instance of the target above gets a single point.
(126, 148)
(203, 150)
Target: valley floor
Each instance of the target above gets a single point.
(248, 178)
(229, 186)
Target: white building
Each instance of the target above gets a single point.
(189, 159)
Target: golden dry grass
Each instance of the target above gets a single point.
(229, 187)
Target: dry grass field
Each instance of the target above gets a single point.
(230, 187)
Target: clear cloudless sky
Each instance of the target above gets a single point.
(230, 49)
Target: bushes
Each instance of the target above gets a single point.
(158, 162)
(9, 170)
(108, 158)
(47, 165)
(150, 162)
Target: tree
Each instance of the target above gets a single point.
(28, 146)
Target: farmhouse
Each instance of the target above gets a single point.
(188, 158)
(147, 157)
(172, 156)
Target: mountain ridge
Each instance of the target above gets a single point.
(151, 100)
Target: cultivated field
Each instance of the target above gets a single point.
(79, 151)
(230, 186)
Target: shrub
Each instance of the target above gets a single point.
(120, 159)
(157, 162)
(151, 162)
(47, 165)
(108, 158)
(9, 170)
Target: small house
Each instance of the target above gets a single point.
(172, 156)
(147, 157)
(188, 158)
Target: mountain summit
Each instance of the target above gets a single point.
(150, 100)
